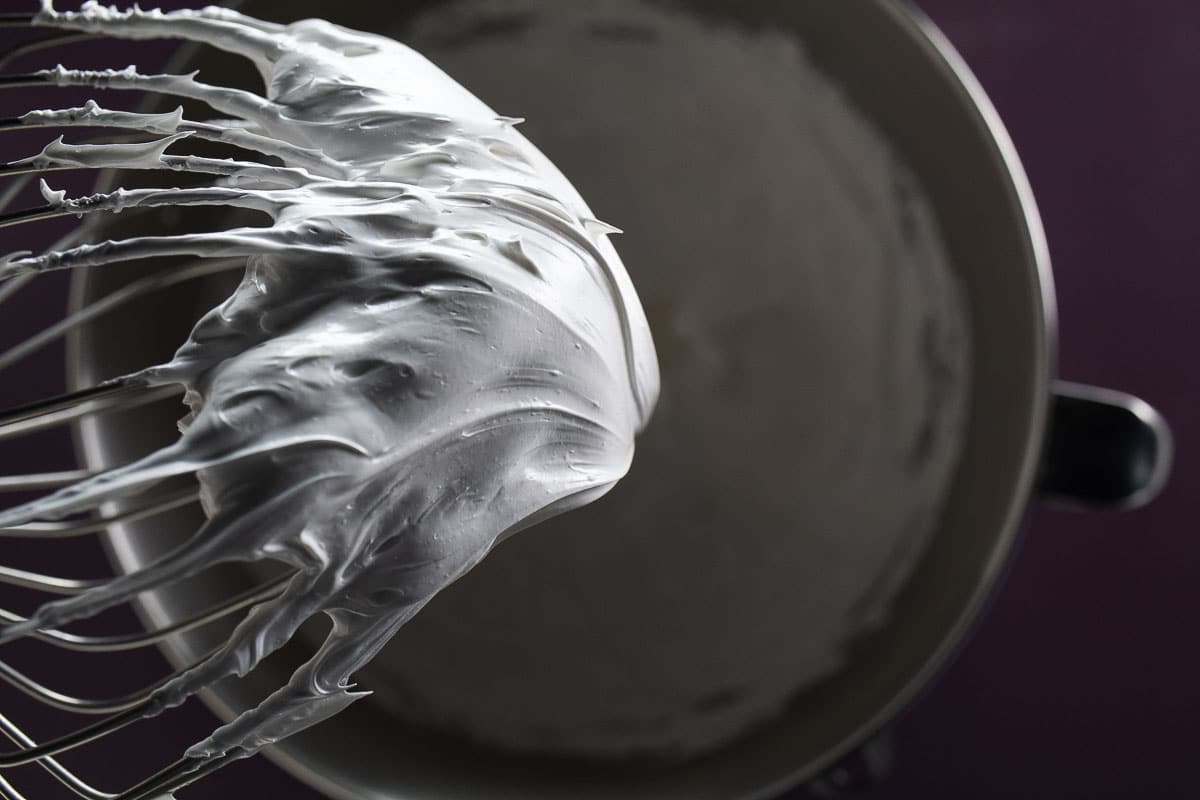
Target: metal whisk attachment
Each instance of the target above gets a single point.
(64, 410)
(124, 146)
(434, 346)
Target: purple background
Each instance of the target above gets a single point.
(1080, 682)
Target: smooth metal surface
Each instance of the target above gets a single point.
(919, 92)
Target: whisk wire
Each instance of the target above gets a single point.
(235, 242)
(42, 480)
(122, 642)
(16, 19)
(77, 738)
(256, 199)
(9, 288)
(226, 131)
(22, 80)
(131, 291)
(28, 48)
(72, 528)
(78, 705)
(29, 214)
(235, 102)
(50, 764)
(129, 709)
(184, 771)
(51, 584)
(53, 411)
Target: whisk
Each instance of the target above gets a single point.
(397, 364)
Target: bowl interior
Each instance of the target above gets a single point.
(903, 77)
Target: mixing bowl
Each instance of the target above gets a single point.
(1027, 432)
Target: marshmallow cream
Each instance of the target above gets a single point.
(434, 344)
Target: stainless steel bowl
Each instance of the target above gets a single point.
(904, 76)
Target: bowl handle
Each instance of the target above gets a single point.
(1104, 449)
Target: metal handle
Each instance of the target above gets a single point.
(1104, 449)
